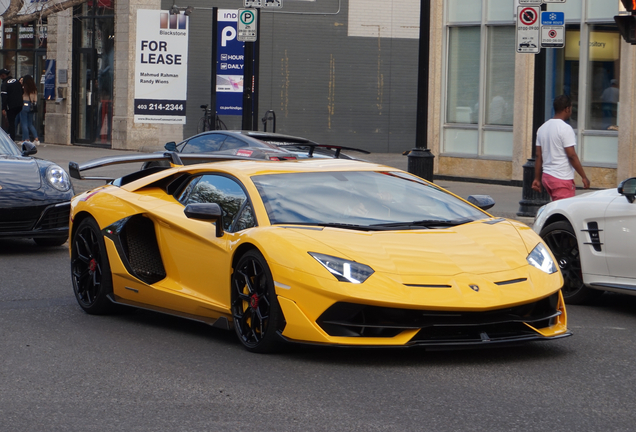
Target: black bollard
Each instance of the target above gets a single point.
(420, 163)
(531, 200)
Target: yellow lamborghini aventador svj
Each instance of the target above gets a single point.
(321, 251)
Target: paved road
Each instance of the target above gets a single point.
(63, 370)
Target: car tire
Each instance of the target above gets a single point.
(50, 241)
(90, 269)
(561, 239)
(255, 309)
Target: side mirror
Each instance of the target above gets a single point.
(484, 202)
(171, 146)
(628, 189)
(206, 212)
(28, 149)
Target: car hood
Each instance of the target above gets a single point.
(477, 248)
(19, 174)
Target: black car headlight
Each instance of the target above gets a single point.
(344, 270)
(58, 178)
(541, 259)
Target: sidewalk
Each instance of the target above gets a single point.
(506, 197)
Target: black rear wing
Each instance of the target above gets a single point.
(175, 159)
(312, 146)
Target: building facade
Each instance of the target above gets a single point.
(345, 72)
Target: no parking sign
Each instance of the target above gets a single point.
(528, 29)
(552, 29)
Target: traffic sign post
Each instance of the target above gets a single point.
(528, 29)
(246, 26)
(552, 29)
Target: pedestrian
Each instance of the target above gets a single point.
(29, 101)
(11, 91)
(556, 159)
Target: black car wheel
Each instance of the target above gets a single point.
(561, 239)
(50, 241)
(255, 308)
(90, 270)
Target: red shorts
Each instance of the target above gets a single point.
(557, 188)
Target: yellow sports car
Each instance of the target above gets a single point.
(315, 251)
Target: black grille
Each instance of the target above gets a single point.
(55, 217)
(16, 226)
(595, 236)
(17, 219)
(139, 243)
(355, 320)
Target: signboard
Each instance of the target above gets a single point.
(161, 69)
(552, 29)
(528, 29)
(49, 80)
(246, 25)
(538, 2)
(229, 65)
(263, 3)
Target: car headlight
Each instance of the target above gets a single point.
(57, 177)
(541, 259)
(344, 270)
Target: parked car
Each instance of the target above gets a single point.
(35, 195)
(593, 238)
(253, 144)
(342, 253)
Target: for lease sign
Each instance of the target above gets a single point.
(161, 67)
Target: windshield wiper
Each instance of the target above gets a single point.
(336, 225)
(425, 223)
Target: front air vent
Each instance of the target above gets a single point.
(511, 281)
(427, 286)
(594, 235)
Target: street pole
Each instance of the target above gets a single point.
(532, 200)
(215, 29)
(420, 159)
(247, 86)
(257, 53)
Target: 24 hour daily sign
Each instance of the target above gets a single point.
(161, 67)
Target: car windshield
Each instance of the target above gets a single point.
(360, 200)
(7, 146)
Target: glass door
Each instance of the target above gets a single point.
(93, 53)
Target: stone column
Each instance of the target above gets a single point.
(57, 126)
(435, 80)
(522, 120)
(128, 135)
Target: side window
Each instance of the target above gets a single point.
(232, 143)
(227, 193)
(204, 143)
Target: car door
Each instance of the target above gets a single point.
(620, 238)
(198, 262)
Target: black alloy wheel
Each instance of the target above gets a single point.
(255, 308)
(90, 270)
(561, 239)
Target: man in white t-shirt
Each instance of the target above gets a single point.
(556, 159)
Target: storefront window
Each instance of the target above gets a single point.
(603, 79)
(500, 76)
(463, 75)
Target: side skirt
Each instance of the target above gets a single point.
(221, 322)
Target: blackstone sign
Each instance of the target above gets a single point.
(161, 67)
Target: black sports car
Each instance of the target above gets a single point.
(254, 145)
(35, 195)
